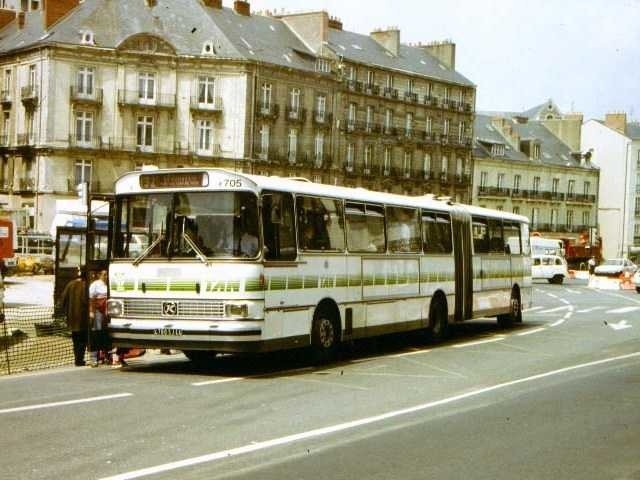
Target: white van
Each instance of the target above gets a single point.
(552, 268)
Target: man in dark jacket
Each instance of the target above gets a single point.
(74, 304)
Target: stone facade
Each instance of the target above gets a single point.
(88, 94)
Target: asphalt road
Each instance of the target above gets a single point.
(556, 398)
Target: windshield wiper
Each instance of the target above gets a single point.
(148, 250)
(201, 256)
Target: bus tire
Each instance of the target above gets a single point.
(506, 320)
(438, 319)
(200, 357)
(556, 279)
(325, 336)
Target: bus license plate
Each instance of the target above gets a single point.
(168, 332)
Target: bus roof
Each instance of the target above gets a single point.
(129, 183)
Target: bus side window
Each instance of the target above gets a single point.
(365, 228)
(320, 224)
(480, 235)
(512, 238)
(278, 226)
(403, 230)
(524, 239)
(496, 243)
(436, 232)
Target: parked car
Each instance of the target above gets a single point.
(552, 268)
(636, 281)
(614, 267)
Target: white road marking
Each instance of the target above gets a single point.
(408, 354)
(531, 332)
(479, 342)
(65, 403)
(559, 322)
(592, 309)
(557, 309)
(257, 446)
(552, 295)
(574, 292)
(622, 325)
(532, 309)
(623, 310)
(213, 382)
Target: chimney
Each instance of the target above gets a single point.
(311, 27)
(212, 3)
(568, 129)
(616, 121)
(20, 20)
(444, 51)
(505, 126)
(242, 8)
(335, 23)
(389, 39)
(6, 17)
(55, 10)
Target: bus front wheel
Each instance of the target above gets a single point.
(325, 337)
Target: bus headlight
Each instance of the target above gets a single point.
(237, 310)
(115, 308)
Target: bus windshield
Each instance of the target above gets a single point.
(187, 225)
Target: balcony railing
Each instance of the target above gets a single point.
(296, 115)
(5, 98)
(431, 100)
(136, 98)
(91, 143)
(371, 89)
(214, 106)
(581, 198)
(81, 96)
(463, 179)
(268, 110)
(484, 191)
(411, 97)
(29, 96)
(390, 92)
(322, 118)
(26, 184)
(353, 85)
(26, 139)
(163, 144)
(4, 140)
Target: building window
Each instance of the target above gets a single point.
(368, 155)
(266, 96)
(144, 137)
(429, 90)
(461, 129)
(429, 125)
(293, 145)
(459, 167)
(484, 179)
(444, 167)
(319, 147)
(351, 156)
(406, 164)
(554, 218)
(7, 82)
(536, 151)
(426, 164)
(554, 185)
(146, 87)
(351, 119)
(535, 216)
(369, 120)
(321, 105)
(447, 94)
(206, 90)
(516, 210)
(388, 119)
(408, 124)
(587, 188)
(33, 79)
(410, 85)
(536, 184)
(387, 160)
(205, 136)
(85, 81)
(84, 128)
(571, 186)
(371, 77)
(516, 183)
(294, 98)
(500, 180)
(497, 150)
(264, 141)
(6, 126)
(353, 73)
(586, 218)
(322, 65)
(569, 218)
(82, 172)
(445, 128)
(390, 81)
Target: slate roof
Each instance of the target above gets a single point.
(553, 151)
(187, 25)
(633, 130)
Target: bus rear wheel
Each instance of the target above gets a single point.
(200, 357)
(325, 337)
(438, 322)
(507, 320)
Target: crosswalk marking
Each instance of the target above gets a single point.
(624, 310)
(557, 309)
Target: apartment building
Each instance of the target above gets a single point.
(614, 144)
(522, 166)
(94, 88)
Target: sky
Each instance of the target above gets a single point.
(582, 54)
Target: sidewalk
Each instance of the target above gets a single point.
(21, 291)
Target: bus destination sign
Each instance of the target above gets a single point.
(174, 180)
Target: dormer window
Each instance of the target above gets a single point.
(536, 151)
(208, 48)
(87, 38)
(497, 150)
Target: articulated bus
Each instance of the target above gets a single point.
(211, 261)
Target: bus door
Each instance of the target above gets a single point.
(70, 248)
(461, 223)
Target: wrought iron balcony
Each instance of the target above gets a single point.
(371, 89)
(94, 97)
(4, 140)
(138, 99)
(268, 110)
(390, 92)
(296, 115)
(29, 96)
(90, 143)
(484, 191)
(26, 139)
(213, 105)
(431, 100)
(5, 98)
(353, 85)
(322, 118)
(411, 97)
(580, 198)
